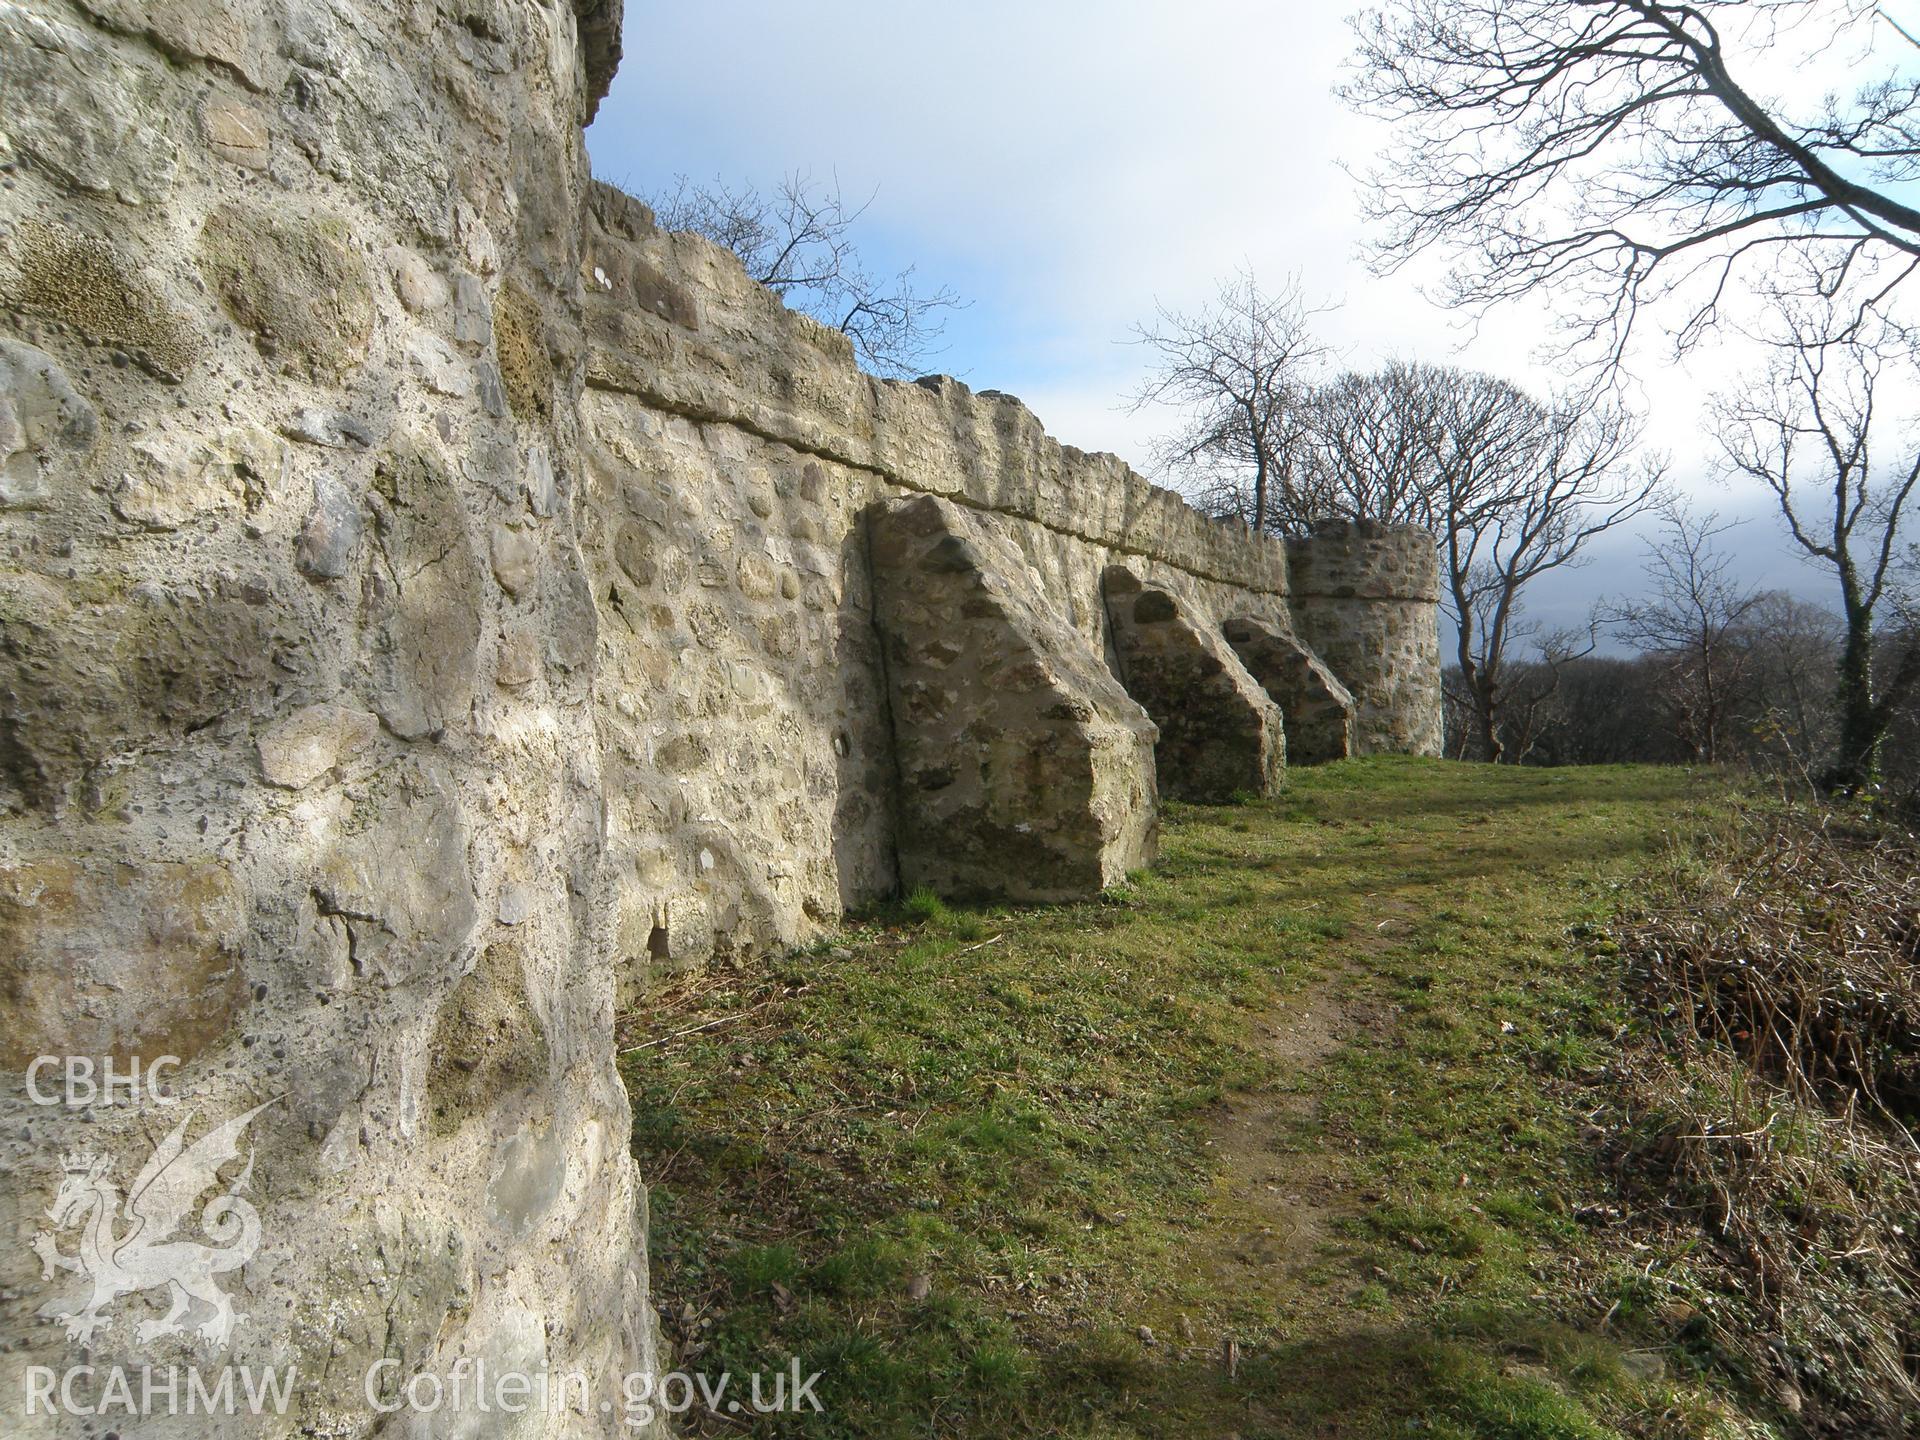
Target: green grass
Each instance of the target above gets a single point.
(1313, 1086)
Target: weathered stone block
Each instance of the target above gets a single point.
(86, 677)
(82, 281)
(1317, 707)
(422, 601)
(43, 421)
(1026, 772)
(240, 37)
(237, 132)
(103, 958)
(81, 111)
(297, 284)
(311, 742)
(399, 881)
(1220, 734)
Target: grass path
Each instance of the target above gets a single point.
(1285, 1139)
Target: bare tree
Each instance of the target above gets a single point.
(1793, 647)
(1614, 152)
(798, 242)
(1241, 370)
(1376, 440)
(1807, 431)
(1693, 624)
(1511, 487)
(1582, 485)
(1419, 444)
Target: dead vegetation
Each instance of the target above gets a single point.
(1778, 963)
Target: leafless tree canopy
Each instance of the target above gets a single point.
(1813, 432)
(1522, 504)
(798, 242)
(1241, 371)
(1693, 621)
(1512, 487)
(1615, 152)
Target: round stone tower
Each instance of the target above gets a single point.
(1366, 597)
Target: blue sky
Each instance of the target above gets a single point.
(1066, 164)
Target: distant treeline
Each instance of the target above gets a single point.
(1767, 703)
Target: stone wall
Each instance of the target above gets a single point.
(732, 446)
(432, 601)
(299, 766)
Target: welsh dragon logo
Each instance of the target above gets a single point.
(145, 1254)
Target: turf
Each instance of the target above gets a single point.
(1287, 1137)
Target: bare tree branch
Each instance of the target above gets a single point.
(1613, 152)
(798, 242)
(1806, 430)
(1241, 370)
(1693, 624)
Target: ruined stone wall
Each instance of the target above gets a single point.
(733, 448)
(1365, 597)
(298, 763)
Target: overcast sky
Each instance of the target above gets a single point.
(1068, 164)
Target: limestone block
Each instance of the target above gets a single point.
(1220, 733)
(420, 287)
(237, 132)
(174, 480)
(439, 369)
(311, 742)
(331, 532)
(79, 110)
(423, 599)
(399, 881)
(1317, 707)
(44, 421)
(1026, 772)
(516, 558)
(238, 35)
(85, 678)
(297, 284)
(105, 958)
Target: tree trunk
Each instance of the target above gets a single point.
(1861, 724)
(1486, 716)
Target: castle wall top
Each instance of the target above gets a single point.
(599, 27)
(677, 322)
(1365, 559)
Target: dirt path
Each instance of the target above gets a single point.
(1281, 1186)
